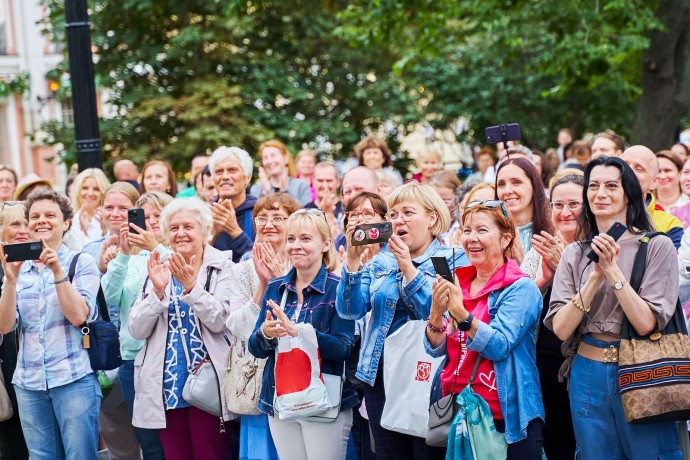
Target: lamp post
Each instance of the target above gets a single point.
(86, 132)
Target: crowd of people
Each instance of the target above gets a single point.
(225, 273)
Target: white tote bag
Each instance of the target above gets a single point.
(408, 372)
(300, 391)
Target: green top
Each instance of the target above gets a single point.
(189, 192)
(122, 285)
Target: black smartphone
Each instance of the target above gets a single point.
(442, 268)
(615, 231)
(503, 133)
(372, 233)
(23, 251)
(136, 216)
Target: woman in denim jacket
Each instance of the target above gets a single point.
(392, 283)
(496, 307)
(310, 299)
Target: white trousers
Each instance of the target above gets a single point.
(305, 440)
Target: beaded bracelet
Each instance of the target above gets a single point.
(434, 329)
(579, 306)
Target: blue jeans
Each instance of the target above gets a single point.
(62, 422)
(149, 440)
(601, 431)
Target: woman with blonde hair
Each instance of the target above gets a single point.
(88, 190)
(395, 285)
(309, 292)
(277, 174)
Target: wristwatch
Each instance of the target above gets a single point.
(618, 285)
(466, 324)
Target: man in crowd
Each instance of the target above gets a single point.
(358, 179)
(231, 169)
(126, 171)
(326, 182)
(646, 167)
(198, 164)
(205, 187)
(607, 144)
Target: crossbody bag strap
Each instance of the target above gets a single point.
(100, 298)
(474, 370)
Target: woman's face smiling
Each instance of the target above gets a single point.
(515, 190)
(483, 242)
(186, 234)
(152, 216)
(273, 161)
(605, 194)
(156, 179)
(114, 211)
(90, 195)
(46, 222)
(304, 245)
(7, 185)
(566, 220)
(271, 232)
(669, 177)
(15, 231)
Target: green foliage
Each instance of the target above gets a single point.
(17, 85)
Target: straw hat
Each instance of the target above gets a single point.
(28, 181)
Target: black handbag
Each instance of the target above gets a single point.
(442, 413)
(101, 338)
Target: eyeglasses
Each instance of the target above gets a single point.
(261, 221)
(405, 216)
(491, 204)
(10, 203)
(559, 206)
(313, 212)
(366, 215)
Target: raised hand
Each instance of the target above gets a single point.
(549, 248)
(144, 239)
(11, 269)
(108, 252)
(159, 273)
(225, 219)
(183, 272)
(49, 258)
(282, 319)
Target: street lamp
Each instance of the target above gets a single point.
(86, 133)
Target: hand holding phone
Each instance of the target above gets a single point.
(136, 216)
(372, 233)
(19, 252)
(615, 231)
(441, 267)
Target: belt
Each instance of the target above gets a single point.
(603, 355)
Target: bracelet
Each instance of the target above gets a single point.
(579, 305)
(263, 333)
(63, 280)
(434, 329)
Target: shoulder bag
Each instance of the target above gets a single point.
(654, 369)
(101, 339)
(442, 413)
(243, 375)
(201, 389)
(6, 410)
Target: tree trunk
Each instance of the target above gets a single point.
(665, 84)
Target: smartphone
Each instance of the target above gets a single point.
(23, 251)
(136, 216)
(615, 231)
(442, 268)
(372, 233)
(500, 133)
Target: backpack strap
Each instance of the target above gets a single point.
(100, 297)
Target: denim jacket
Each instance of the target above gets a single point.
(334, 334)
(376, 288)
(509, 340)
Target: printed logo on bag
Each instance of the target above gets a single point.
(359, 235)
(296, 375)
(423, 371)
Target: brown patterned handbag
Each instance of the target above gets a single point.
(654, 369)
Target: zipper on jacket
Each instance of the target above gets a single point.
(222, 423)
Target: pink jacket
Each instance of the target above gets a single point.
(148, 320)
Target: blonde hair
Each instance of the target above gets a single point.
(156, 199)
(562, 173)
(429, 155)
(124, 188)
(10, 214)
(302, 216)
(426, 197)
(473, 191)
(101, 182)
(290, 164)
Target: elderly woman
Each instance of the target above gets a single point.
(589, 302)
(276, 175)
(122, 285)
(248, 282)
(87, 196)
(158, 176)
(497, 308)
(372, 152)
(181, 316)
(8, 183)
(13, 229)
(394, 282)
(309, 292)
(57, 392)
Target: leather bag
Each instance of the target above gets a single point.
(654, 369)
(6, 410)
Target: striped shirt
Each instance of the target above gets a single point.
(51, 353)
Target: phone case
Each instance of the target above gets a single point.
(23, 251)
(372, 233)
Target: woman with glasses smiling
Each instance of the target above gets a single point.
(396, 287)
(248, 281)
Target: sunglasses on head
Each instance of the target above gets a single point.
(491, 204)
(313, 212)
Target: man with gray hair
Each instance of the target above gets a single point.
(231, 170)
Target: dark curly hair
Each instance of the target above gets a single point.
(42, 194)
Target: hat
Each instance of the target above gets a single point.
(28, 181)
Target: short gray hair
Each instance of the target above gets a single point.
(223, 152)
(195, 205)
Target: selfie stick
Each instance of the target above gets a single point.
(504, 136)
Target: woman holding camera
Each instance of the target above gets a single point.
(589, 302)
(394, 282)
(57, 392)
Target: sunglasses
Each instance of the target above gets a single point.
(10, 203)
(491, 204)
(313, 212)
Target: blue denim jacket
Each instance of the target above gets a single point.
(509, 340)
(376, 288)
(334, 334)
